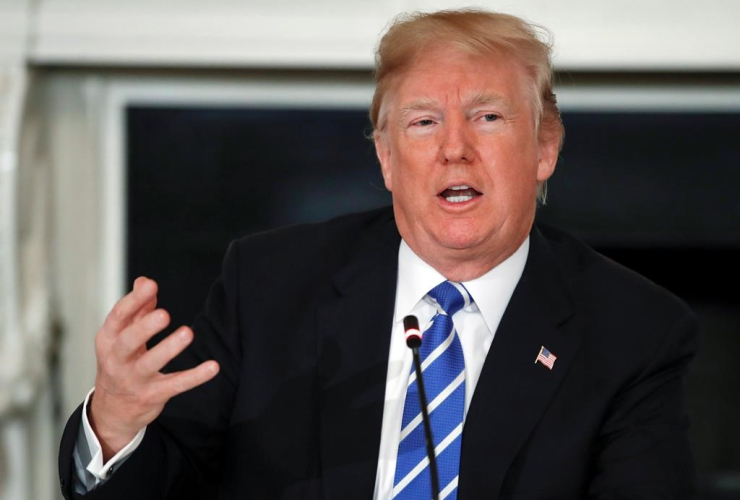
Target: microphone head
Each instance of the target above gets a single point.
(412, 331)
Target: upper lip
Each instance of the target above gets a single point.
(459, 185)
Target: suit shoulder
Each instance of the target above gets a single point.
(337, 229)
(324, 245)
(597, 277)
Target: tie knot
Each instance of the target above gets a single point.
(451, 296)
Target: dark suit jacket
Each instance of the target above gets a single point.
(300, 322)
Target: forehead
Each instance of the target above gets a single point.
(448, 76)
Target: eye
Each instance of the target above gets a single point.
(490, 117)
(424, 122)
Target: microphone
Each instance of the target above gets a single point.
(412, 332)
(413, 340)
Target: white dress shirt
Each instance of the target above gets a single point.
(88, 454)
(476, 326)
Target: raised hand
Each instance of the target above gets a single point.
(130, 392)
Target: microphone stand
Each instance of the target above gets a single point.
(413, 340)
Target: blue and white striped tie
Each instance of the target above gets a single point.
(443, 368)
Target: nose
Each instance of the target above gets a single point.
(457, 142)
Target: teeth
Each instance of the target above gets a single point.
(459, 188)
(459, 199)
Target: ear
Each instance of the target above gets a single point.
(549, 146)
(383, 151)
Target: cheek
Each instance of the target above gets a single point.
(410, 168)
(522, 155)
(513, 171)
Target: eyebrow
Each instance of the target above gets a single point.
(475, 100)
(418, 104)
(488, 98)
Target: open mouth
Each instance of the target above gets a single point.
(459, 194)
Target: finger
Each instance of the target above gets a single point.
(125, 309)
(134, 337)
(146, 309)
(158, 356)
(172, 384)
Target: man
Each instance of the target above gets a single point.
(566, 369)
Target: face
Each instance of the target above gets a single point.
(461, 155)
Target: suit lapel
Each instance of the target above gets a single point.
(354, 326)
(513, 391)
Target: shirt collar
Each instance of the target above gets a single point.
(491, 291)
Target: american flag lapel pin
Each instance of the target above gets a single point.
(546, 358)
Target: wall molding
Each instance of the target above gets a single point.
(622, 35)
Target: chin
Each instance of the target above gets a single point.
(461, 234)
(464, 241)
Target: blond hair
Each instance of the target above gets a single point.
(479, 32)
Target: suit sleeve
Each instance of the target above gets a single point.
(180, 455)
(643, 450)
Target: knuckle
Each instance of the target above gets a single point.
(107, 366)
(178, 385)
(99, 342)
(171, 347)
(146, 397)
(117, 376)
(126, 342)
(142, 367)
(182, 382)
(117, 314)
